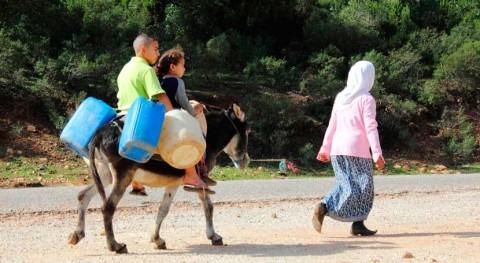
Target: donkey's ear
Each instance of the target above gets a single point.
(238, 112)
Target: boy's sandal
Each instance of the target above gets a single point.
(208, 181)
(191, 188)
(139, 192)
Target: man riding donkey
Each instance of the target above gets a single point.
(138, 78)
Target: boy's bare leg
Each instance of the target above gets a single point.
(193, 183)
(202, 166)
(138, 189)
(203, 172)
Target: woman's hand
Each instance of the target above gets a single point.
(380, 163)
(323, 157)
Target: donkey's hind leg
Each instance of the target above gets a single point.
(84, 197)
(168, 196)
(123, 180)
(208, 209)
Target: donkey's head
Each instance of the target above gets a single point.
(237, 147)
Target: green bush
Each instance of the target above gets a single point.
(218, 52)
(14, 62)
(457, 135)
(461, 69)
(456, 78)
(435, 93)
(379, 25)
(271, 72)
(321, 78)
(276, 125)
(395, 116)
(307, 154)
(230, 55)
(442, 15)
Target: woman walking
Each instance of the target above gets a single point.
(351, 134)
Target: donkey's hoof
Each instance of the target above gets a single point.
(161, 246)
(74, 238)
(119, 248)
(159, 243)
(122, 249)
(218, 242)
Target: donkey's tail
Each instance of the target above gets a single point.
(94, 143)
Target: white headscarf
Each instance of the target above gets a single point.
(360, 81)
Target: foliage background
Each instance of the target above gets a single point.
(283, 60)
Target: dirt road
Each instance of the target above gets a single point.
(414, 226)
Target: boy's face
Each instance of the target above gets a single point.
(152, 52)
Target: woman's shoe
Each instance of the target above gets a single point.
(359, 229)
(318, 215)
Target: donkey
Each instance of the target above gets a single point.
(227, 131)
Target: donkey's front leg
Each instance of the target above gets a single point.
(208, 209)
(162, 213)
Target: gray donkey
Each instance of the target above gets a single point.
(227, 131)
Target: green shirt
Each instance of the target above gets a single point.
(137, 78)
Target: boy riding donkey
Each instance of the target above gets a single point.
(138, 78)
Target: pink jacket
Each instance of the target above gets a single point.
(352, 130)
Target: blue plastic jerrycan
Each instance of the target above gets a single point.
(141, 131)
(90, 116)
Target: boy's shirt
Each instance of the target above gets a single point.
(137, 78)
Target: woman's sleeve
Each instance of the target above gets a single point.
(327, 140)
(369, 119)
(182, 98)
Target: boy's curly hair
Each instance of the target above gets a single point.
(171, 56)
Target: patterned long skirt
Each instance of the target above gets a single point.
(351, 199)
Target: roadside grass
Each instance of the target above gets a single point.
(21, 172)
(263, 171)
(27, 172)
(470, 168)
(422, 168)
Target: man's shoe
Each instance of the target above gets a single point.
(359, 229)
(318, 215)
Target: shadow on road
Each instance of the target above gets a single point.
(278, 250)
(457, 234)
